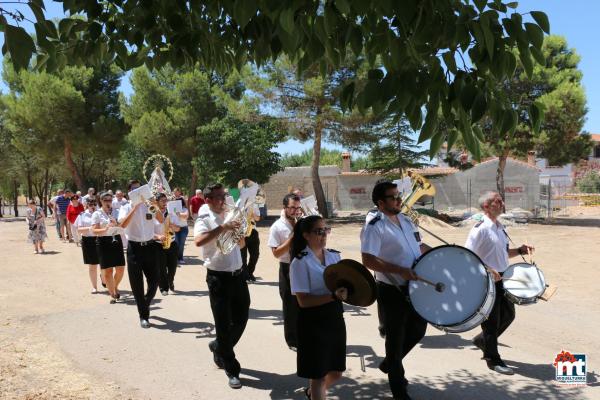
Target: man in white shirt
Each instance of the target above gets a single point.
(91, 194)
(119, 200)
(228, 290)
(280, 239)
(390, 244)
(142, 259)
(489, 241)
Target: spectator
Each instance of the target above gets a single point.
(54, 210)
(181, 235)
(73, 211)
(196, 202)
(37, 227)
(91, 194)
(62, 203)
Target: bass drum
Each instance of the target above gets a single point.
(469, 290)
(523, 283)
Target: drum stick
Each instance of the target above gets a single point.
(439, 287)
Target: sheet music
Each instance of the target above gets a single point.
(174, 207)
(140, 195)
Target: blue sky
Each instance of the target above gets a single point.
(574, 19)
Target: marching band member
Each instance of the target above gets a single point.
(167, 258)
(280, 239)
(321, 334)
(389, 246)
(181, 221)
(252, 247)
(83, 224)
(142, 261)
(489, 241)
(109, 247)
(228, 290)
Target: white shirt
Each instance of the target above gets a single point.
(159, 228)
(489, 241)
(280, 231)
(85, 199)
(306, 273)
(117, 204)
(394, 244)
(181, 222)
(84, 220)
(139, 229)
(102, 218)
(213, 259)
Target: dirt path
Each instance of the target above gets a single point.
(57, 341)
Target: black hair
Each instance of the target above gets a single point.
(131, 183)
(304, 225)
(288, 197)
(379, 190)
(210, 188)
(160, 196)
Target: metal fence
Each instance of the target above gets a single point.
(553, 202)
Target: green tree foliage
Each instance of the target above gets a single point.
(73, 113)
(556, 87)
(312, 111)
(182, 113)
(589, 183)
(231, 149)
(418, 42)
(394, 150)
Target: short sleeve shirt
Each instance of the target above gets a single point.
(280, 231)
(84, 220)
(306, 272)
(394, 244)
(213, 258)
(100, 217)
(490, 242)
(139, 229)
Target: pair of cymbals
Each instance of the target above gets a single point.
(356, 278)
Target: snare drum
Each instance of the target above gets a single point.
(469, 293)
(523, 283)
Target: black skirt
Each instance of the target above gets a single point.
(110, 251)
(321, 340)
(90, 250)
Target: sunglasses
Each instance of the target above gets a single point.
(397, 197)
(322, 231)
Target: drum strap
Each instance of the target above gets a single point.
(514, 244)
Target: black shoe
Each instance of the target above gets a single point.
(293, 348)
(234, 382)
(103, 284)
(500, 367)
(212, 346)
(252, 278)
(383, 367)
(164, 292)
(172, 287)
(144, 323)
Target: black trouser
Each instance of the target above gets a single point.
(230, 303)
(501, 316)
(167, 265)
(252, 247)
(290, 306)
(404, 328)
(142, 260)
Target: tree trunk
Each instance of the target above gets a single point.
(72, 167)
(29, 185)
(500, 175)
(316, 180)
(194, 182)
(45, 190)
(16, 198)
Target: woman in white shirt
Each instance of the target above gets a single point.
(109, 245)
(321, 353)
(83, 225)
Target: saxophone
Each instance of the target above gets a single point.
(169, 234)
(420, 188)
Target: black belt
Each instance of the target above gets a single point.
(403, 288)
(146, 243)
(237, 272)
